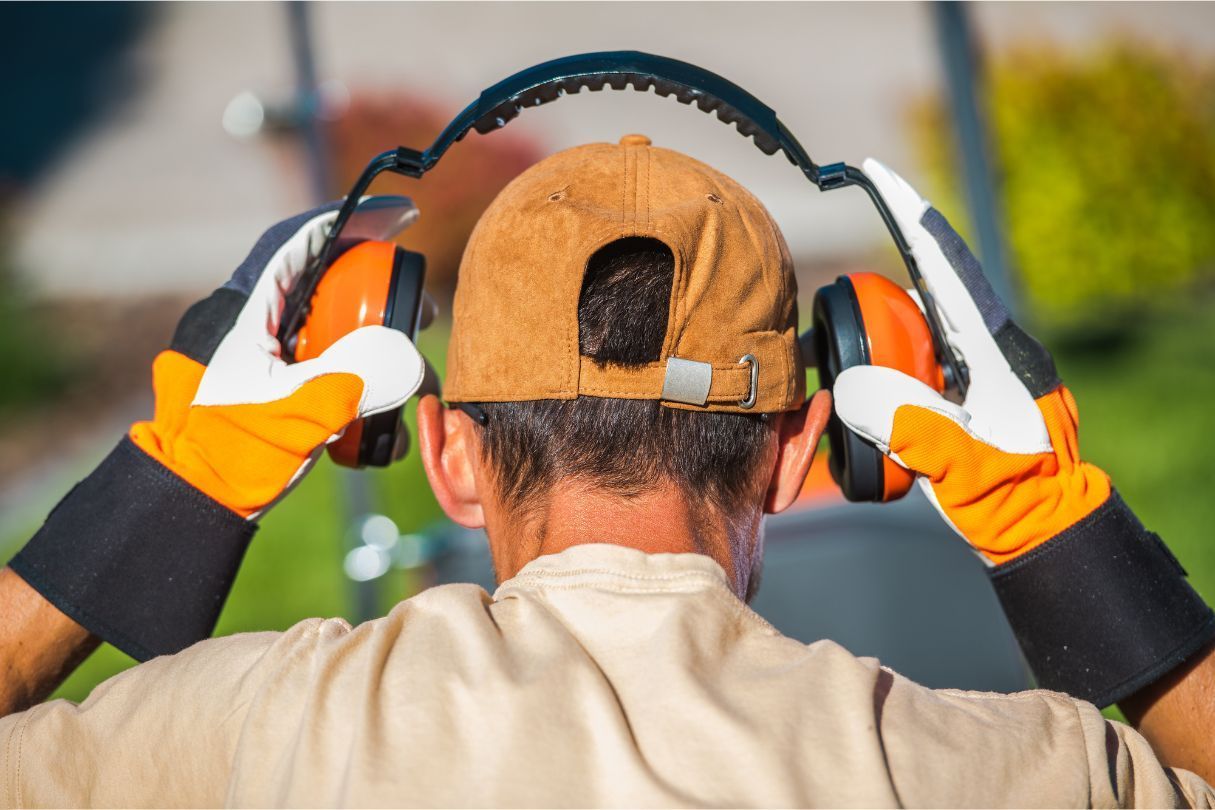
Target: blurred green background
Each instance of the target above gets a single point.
(1105, 157)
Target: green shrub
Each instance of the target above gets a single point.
(1107, 169)
(33, 361)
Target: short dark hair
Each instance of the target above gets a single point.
(624, 445)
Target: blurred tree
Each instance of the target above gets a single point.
(452, 196)
(1107, 166)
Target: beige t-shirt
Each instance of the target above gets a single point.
(598, 676)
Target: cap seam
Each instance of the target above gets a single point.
(647, 189)
(624, 190)
(461, 349)
(572, 341)
(668, 339)
(681, 311)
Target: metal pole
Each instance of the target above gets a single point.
(963, 75)
(357, 496)
(307, 101)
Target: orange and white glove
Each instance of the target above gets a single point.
(144, 550)
(1099, 605)
(236, 421)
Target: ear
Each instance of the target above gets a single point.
(449, 456)
(797, 441)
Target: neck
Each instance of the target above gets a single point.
(658, 520)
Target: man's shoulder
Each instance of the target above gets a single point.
(437, 606)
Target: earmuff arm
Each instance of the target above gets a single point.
(296, 302)
(840, 175)
(549, 81)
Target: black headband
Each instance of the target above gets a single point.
(617, 70)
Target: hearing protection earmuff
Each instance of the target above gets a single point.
(867, 319)
(860, 319)
(372, 283)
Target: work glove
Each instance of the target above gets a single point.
(1099, 604)
(236, 421)
(143, 552)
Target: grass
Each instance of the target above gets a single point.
(1145, 419)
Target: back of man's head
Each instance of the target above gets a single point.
(624, 446)
(625, 320)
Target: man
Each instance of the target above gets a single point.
(604, 430)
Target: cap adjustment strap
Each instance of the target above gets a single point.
(690, 382)
(687, 381)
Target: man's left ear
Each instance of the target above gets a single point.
(797, 441)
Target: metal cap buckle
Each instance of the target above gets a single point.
(749, 402)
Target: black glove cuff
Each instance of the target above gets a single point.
(137, 556)
(1103, 609)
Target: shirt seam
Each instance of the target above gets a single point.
(18, 733)
(8, 764)
(1088, 755)
(572, 572)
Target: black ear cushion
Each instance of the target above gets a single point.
(385, 437)
(839, 343)
(381, 435)
(405, 291)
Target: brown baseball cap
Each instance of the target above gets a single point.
(731, 342)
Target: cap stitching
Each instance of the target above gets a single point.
(668, 340)
(461, 353)
(630, 206)
(681, 317)
(636, 193)
(713, 399)
(570, 341)
(749, 227)
(719, 396)
(685, 284)
(647, 189)
(661, 365)
(791, 382)
(624, 195)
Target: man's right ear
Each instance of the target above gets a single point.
(450, 456)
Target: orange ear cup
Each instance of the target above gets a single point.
(352, 293)
(898, 338)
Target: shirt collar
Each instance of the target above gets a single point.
(605, 564)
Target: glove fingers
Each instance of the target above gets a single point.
(869, 398)
(968, 330)
(269, 275)
(244, 455)
(953, 274)
(1007, 368)
(259, 319)
(384, 359)
(281, 420)
(920, 429)
(272, 241)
